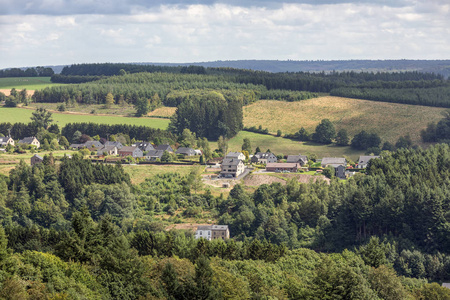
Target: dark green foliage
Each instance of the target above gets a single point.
(364, 140)
(403, 142)
(210, 116)
(342, 138)
(325, 132)
(29, 72)
(41, 118)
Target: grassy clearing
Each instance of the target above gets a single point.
(23, 115)
(388, 120)
(284, 146)
(93, 109)
(139, 173)
(29, 83)
(162, 112)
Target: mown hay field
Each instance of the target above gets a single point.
(388, 120)
(23, 115)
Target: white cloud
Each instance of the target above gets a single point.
(173, 33)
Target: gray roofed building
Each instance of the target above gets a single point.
(115, 143)
(364, 160)
(333, 162)
(36, 159)
(238, 155)
(186, 151)
(93, 144)
(164, 147)
(145, 146)
(109, 150)
(264, 158)
(446, 285)
(6, 140)
(301, 159)
(153, 155)
(76, 146)
(131, 151)
(232, 167)
(30, 141)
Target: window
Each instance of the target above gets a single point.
(200, 233)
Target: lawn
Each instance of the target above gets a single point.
(388, 120)
(23, 115)
(284, 146)
(29, 83)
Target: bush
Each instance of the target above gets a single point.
(61, 107)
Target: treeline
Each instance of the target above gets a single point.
(58, 78)
(439, 132)
(29, 72)
(110, 69)
(133, 87)
(210, 115)
(435, 96)
(142, 133)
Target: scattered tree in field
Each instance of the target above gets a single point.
(247, 146)
(325, 132)
(42, 118)
(222, 144)
(342, 138)
(109, 101)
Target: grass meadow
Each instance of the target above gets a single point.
(388, 120)
(279, 145)
(29, 83)
(23, 115)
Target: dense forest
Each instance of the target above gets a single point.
(81, 230)
(29, 72)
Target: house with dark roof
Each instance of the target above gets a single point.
(6, 140)
(301, 159)
(164, 147)
(153, 155)
(36, 159)
(131, 151)
(363, 161)
(145, 146)
(231, 167)
(116, 144)
(185, 151)
(264, 158)
(30, 141)
(93, 144)
(333, 162)
(237, 155)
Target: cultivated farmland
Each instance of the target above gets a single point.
(29, 83)
(388, 120)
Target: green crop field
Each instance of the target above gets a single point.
(23, 115)
(29, 83)
(388, 120)
(284, 146)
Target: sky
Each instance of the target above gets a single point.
(58, 32)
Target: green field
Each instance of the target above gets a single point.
(29, 83)
(284, 146)
(15, 115)
(138, 173)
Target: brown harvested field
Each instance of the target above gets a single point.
(388, 120)
(162, 112)
(257, 180)
(7, 92)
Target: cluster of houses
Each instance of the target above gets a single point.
(143, 150)
(233, 164)
(212, 232)
(8, 140)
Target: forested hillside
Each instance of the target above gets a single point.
(89, 219)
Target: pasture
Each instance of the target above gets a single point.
(29, 83)
(388, 120)
(23, 115)
(284, 146)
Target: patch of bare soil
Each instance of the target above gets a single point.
(257, 180)
(7, 92)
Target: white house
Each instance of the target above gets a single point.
(237, 155)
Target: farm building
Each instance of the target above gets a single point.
(185, 151)
(107, 150)
(164, 147)
(36, 159)
(333, 162)
(153, 155)
(283, 167)
(301, 159)
(212, 232)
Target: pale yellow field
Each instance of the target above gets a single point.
(388, 120)
(163, 111)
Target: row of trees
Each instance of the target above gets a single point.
(29, 72)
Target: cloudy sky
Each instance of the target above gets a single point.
(52, 32)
